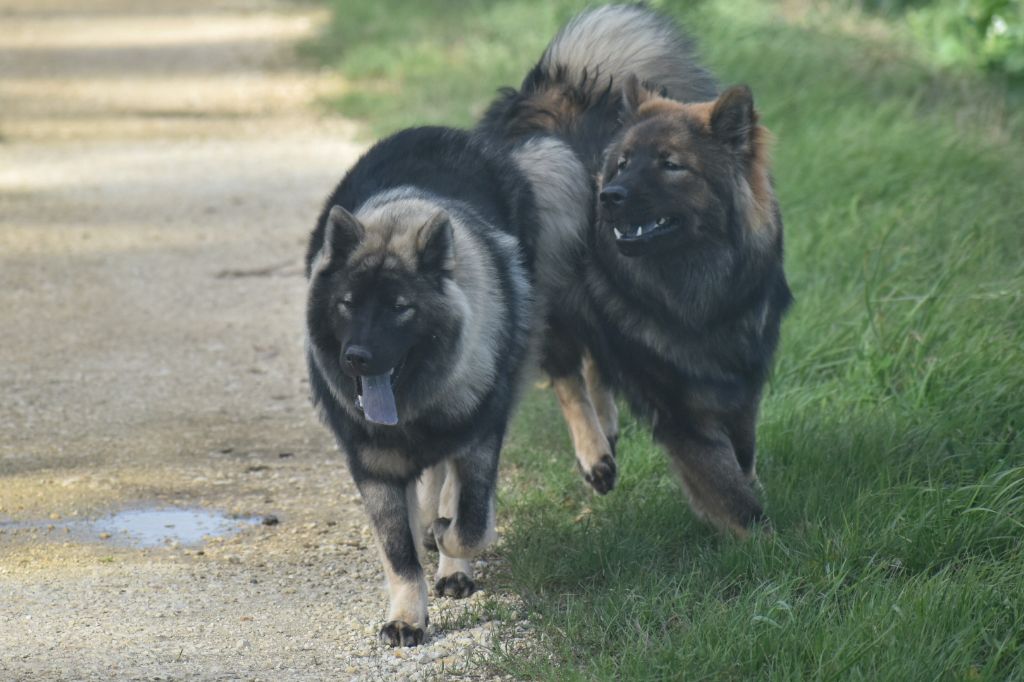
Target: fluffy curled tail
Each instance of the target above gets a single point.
(575, 91)
(613, 42)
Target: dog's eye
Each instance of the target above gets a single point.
(670, 165)
(623, 162)
(401, 305)
(345, 303)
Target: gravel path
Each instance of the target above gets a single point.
(160, 166)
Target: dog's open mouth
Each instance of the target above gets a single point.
(375, 394)
(628, 235)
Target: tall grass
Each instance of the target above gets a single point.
(890, 441)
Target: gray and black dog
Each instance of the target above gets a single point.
(678, 290)
(421, 316)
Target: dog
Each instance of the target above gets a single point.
(678, 289)
(420, 320)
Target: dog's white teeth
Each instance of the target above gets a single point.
(391, 371)
(618, 233)
(640, 231)
(661, 222)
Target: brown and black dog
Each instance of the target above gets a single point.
(675, 295)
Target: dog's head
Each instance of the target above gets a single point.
(685, 176)
(378, 309)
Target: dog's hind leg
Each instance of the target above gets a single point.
(454, 576)
(392, 511)
(603, 400)
(718, 489)
(468, 493)
(428, 494)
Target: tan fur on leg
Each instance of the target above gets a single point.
(428, 493)
(448, 542)
(593, 452)
(407, 598)
(602, 399)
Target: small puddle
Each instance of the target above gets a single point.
(145, 527)
(156, 527)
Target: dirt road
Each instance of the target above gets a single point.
(160, 166)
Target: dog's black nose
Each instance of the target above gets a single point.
(358, 358)
(613, 195)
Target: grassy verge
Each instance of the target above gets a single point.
(891, 449)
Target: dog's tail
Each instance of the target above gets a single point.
(575, 90)
(613, 42)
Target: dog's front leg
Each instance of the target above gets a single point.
(594, 451)
(392, 510)
(603, 400)
(702, 455)
(594, 428)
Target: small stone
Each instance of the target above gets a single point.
(270, 520)
(104, 536)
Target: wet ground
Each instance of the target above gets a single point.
(140, 528)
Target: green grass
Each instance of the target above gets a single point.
(890, 442)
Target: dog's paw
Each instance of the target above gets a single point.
(457, 586)
(601, 476)
(400, 633)
(429, 542)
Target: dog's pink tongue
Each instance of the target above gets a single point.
(379, 400)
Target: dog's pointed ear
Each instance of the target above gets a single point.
(342, 233)
(634, 93)
(435, 244)
(733, 118)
